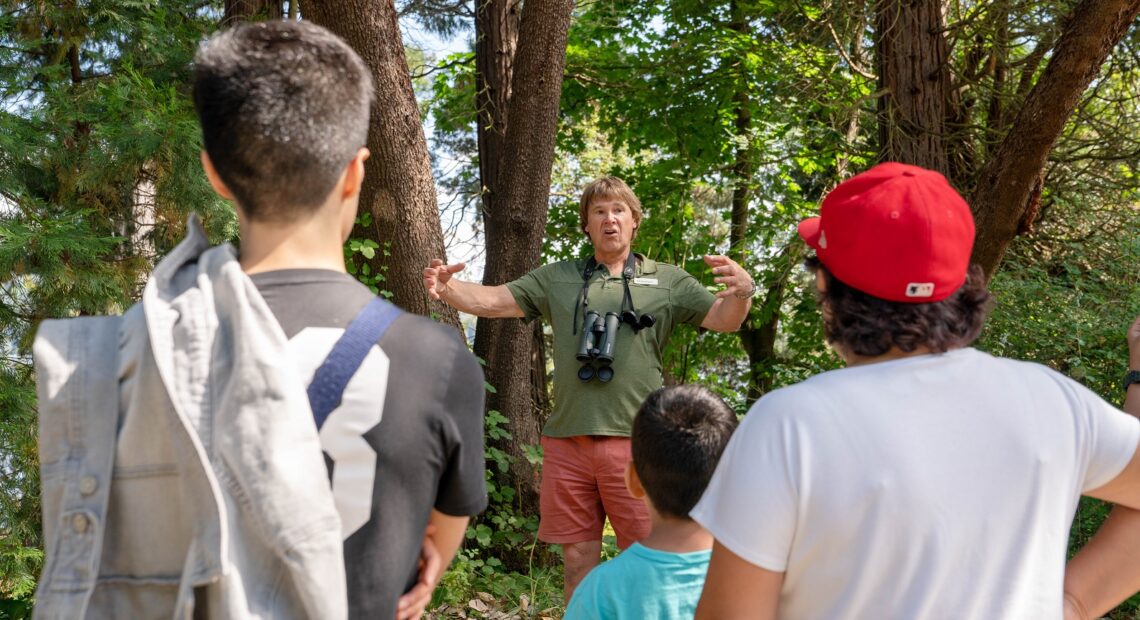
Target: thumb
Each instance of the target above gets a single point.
(456, 268)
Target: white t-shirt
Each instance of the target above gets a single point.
(936, 486)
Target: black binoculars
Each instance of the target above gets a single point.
(638, 323)
(599, 337)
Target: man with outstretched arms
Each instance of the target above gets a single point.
(926, 479)
(611, 315)
(284, 110)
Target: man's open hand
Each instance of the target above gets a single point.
(735, 279)
(437, 275)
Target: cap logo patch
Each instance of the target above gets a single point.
(920, 289)
(822, 240)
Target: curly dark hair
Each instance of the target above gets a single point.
(869, 326)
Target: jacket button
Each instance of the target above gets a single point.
(88, 485)
(79, 523)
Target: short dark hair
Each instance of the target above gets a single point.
(869, 326)
(678, 436)
(284, 107)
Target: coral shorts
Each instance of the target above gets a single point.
(583, 482)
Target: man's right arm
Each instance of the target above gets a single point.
(736, 588)
(491, 302)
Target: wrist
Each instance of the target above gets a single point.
(1074, 608)
(1131, 377)
(748, 292)
(443, 293)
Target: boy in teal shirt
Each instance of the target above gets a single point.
(678, 436)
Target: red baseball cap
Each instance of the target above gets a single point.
(896, 232)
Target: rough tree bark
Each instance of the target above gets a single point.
(241, 10)
(518, 110)
(1006, 182)
(398, 188)
(912, 57)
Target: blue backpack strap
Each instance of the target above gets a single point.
(332, 377)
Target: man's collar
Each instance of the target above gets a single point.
(644, 265)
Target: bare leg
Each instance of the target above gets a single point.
(579, 558)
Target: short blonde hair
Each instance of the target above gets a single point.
(608, 187)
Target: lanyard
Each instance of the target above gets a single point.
(588, 273)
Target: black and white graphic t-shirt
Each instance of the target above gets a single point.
(407, 437)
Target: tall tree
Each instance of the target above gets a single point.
(518, 97)
(398, 188)
(922, 121)
(1005, 192)
(914, 75)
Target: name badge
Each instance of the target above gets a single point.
(646, 281)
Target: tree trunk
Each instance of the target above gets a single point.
(755, 332)
(912, 57)
(851, 131)
(243, 10)
(1006, 182)
(398, 188)
(496, 37)
(999, 57)
(518, 164)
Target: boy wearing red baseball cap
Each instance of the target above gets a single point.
(926, 479)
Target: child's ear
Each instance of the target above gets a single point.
(352, 179)
(214, 178)
(632, 482)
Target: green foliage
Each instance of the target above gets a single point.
(20, 552)
(502, 527)
(360, 258)
(474, 588)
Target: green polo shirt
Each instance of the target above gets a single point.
(592, 407)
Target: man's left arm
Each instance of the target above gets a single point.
(1132, 390)
(1105, 571)
(732, 304)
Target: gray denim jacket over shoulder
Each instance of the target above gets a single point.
(182, 472)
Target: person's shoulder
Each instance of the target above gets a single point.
(557, 271)
(798, 396)
(426, 334)
(563, 268)
(604, 580)
(649, 266)
(667, 274)
(978, 362)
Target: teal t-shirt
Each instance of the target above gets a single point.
(553, 292)
(642, 583)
